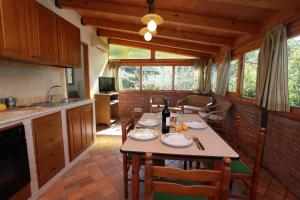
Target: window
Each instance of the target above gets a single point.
(164, 55)
(294, 70)
(124, 52)
(233, 75)
(249, 76)
(214, 69)
(185, 77)
(157, 77)
(129, 78)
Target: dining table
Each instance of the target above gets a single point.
(215, 148)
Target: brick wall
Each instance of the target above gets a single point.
(282, 145)
(131, 100)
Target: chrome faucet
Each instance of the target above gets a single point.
(50, 96)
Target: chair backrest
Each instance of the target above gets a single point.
(127, 125)
(254, 141)
(223, 106)
(216, 181)
(199, 101)
(157, 100)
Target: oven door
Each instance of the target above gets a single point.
(14, 167)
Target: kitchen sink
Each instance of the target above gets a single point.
(57, 103)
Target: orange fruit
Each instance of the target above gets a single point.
(184, 127)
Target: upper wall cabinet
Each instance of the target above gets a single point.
(46, 35)
(15, 41)
(68, 43)
(31, 32)
(75, 50)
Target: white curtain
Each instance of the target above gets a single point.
(223, 75)
(272, 72)
(112, 70)
(200, 67)
(207, 77)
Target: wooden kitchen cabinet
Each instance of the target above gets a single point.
(86, 115)
(49, 148)
(31, 32)
(15, 27)
(63, 36)
(68, 44)
(75, 53)
(45, 32)
(80, 129)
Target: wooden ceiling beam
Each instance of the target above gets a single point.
(266, 4)
(170, 17)
(162, 32)
(161, 42)
(160, 48)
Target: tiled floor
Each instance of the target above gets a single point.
(99, 176)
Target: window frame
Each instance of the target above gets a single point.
(160, 63)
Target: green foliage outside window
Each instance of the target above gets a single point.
(250, 70)
(157, 78)
(129, 78)
(214, 77)
(125, 52)
(294, 70)
(185, 78)
(233, 75)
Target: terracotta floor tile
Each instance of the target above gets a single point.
(107, 190)
(85, 181)
(89, 189)
(75, 194)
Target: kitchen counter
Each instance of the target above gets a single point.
(10, 116)
(26, 116)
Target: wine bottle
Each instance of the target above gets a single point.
(166, 118)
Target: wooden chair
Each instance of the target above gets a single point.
(215, 116)
(254, 140)
(157, 103)
(165, 183)
(194, 103)
(127, 125)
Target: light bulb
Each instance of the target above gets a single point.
(152, 25)
(148, 36)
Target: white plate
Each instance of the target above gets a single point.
(143, 134)
(176, 140)
(148, 122)
(196, 124)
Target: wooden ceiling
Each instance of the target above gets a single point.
(192, 27)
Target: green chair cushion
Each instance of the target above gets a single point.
(239, 167)
(129, 156)
(166, 196)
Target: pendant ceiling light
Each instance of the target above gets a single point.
(152, 21)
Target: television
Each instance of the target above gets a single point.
(106, 84)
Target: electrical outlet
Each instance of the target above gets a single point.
(137, 109)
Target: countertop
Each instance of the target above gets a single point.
(16, 114)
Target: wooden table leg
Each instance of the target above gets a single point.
(136, 163)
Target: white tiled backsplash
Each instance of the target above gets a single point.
(29, 83)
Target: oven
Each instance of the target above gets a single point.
(14, 166)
